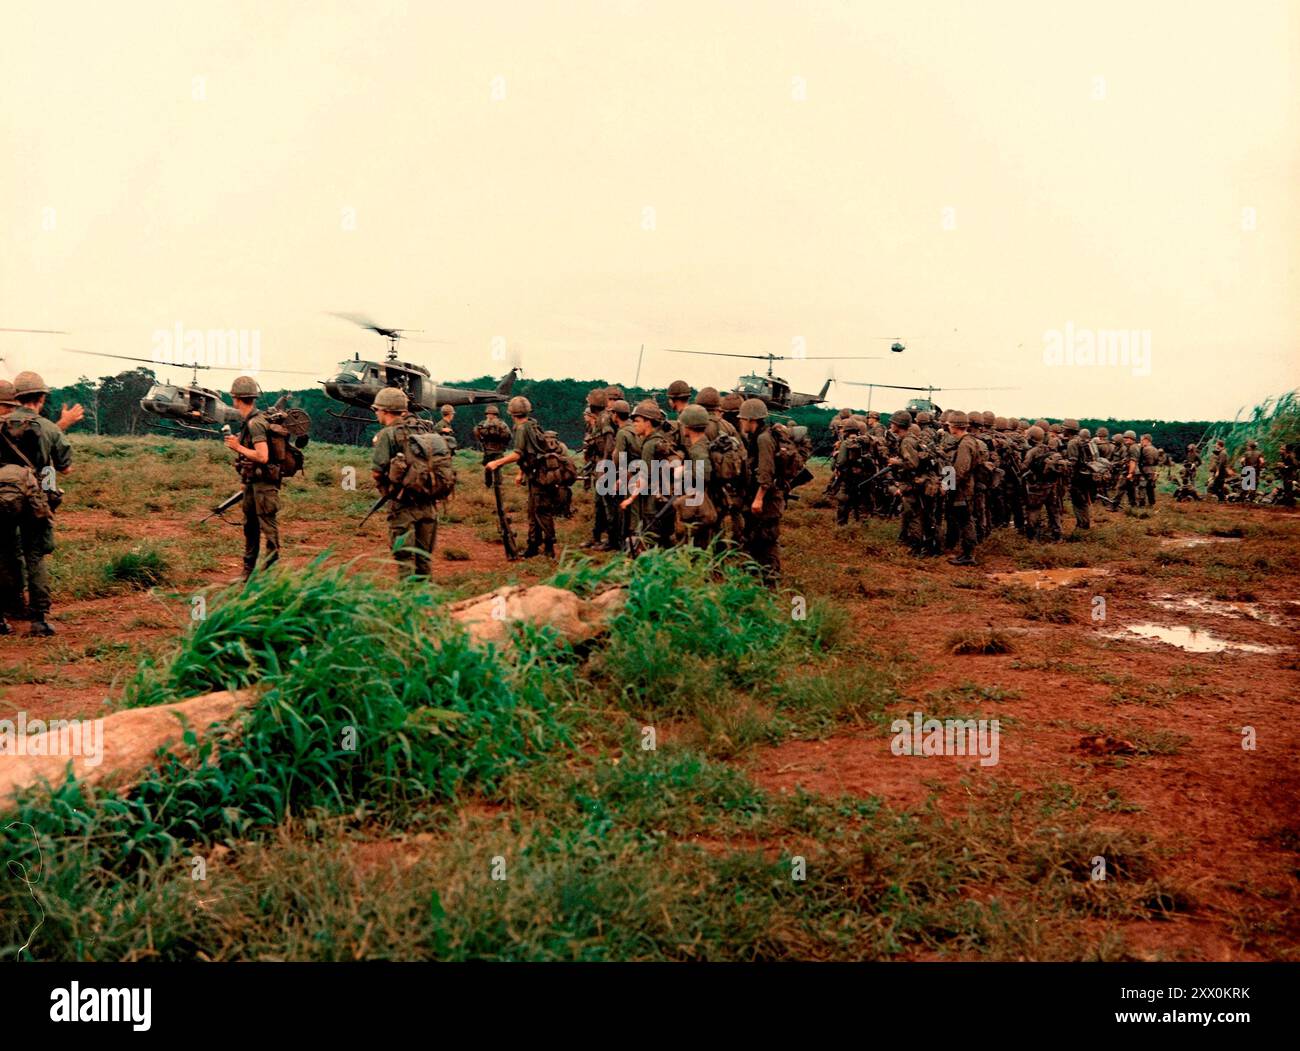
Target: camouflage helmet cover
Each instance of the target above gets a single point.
(492, 410)
(753, 409)
(598, 398)
(8, 396)
(902, 418)
(1103, 432)
(679, 389)
(1035, 433)
(957, 418)
(619, 407)
(648, 410)
(731, 402)
(243, 387)
(708, 397)
(519, 406)
(696, 416)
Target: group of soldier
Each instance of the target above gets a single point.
(718, 471)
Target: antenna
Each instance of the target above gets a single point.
(637, 381)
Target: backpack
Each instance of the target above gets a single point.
(422, 463)
(20, 490)
(790, 459)
(1098, 466)
(286, 437)
(727, 458)
(553, 467)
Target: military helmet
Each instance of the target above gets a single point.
(8, 396)
(1085, 434)
(855, 423)
(243, 387)
(619, 407)
(872, 414)
(1042, 424)
(753, 409)
(732, 402)
(448, 410)
(492, 410)
(29, 383)
(1146, 437)
(679, 389)
(1035, 433)
(1103, 432)
(1000, 423)
(989, 418)
(924, 417)
(957, 418)
(1131, 434)
(694, 416)
(649, 410)
(613, 393)
(1070, 426)
(1055, 428)
(708, 397)
(845, 413)
(519, 406)
(390, 399)
(598, 398)
(902, 418)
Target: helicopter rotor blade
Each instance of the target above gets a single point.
(127, 357)
(37, 331)
(779, 357)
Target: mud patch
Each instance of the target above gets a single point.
(1215, 607)
(1192, 640)
(1046, 579)
(1198, 541)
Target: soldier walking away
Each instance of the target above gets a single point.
(853, 465)
(493, 435)
(696, 510)
(1287, 464)
(1149, 462)
(1079, 454)
(598, 447)
(907, 473)
(261, 478)
(1130, 456)
(965, 462)
(544, 469)
(1038, 468)
(1187, 476)
(412, 468)
(1252, 461)
(679, 396)
(765, 495)
(33, 451)
(1219, 470)
(728, 492)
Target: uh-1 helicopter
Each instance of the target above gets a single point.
(357, 381)
(915, 405)
(772, 390)
(188, 406)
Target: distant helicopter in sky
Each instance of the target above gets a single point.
(358, 381)
(772, 390)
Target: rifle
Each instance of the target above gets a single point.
(225, 505)
(507, 535)
(373, 508)
(634, 544)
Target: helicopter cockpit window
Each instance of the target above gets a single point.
(352, 369)
(158, 393)
(753, 385)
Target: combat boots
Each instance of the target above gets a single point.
(5, 629)
(39, 626)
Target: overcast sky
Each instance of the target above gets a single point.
(562, 182)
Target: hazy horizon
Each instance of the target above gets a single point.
(994, 186)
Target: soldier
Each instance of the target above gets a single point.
(1218, 471)
(1149, 458)
(728, 495)
(836, 425)
(1129, 459)
(627, 447)
(965, 462)
(32, 443)
(679, 396)
(412, 515)
(853, 465)
(1252, 471)
(731, 409)
(1191, 463)
(654, 522)
(1040, 478)
(493, 435)
(1288, 462)
(1079, 454)
(765, 495)
(696, 511)
(446, 430)
(1106, 451)
(530, 449)
(261, 503)
(597, 444)
(908, 474)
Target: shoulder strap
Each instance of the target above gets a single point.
(4, 432)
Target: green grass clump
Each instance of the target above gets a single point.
(140, 568)
(694, 626)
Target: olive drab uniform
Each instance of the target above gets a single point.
(1040, 477)
(493, 436)
(911, 484)
(728, 496)
(762, 537)
(1218, 473)
(627, 448)
(1148, 461)
(654, 521)
(446, 429)
(1252, 461)
(34, 450)
(1129, 473)
(698, 520)
(261, 502)
(853, 465)
(1287, 464)
(544, 499)
(412, 516)
(1079, 454)
(961, 525)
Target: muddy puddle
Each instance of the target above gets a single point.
(1045, 579)
(1216, 607)
(1192, 640)
(1198, 541)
